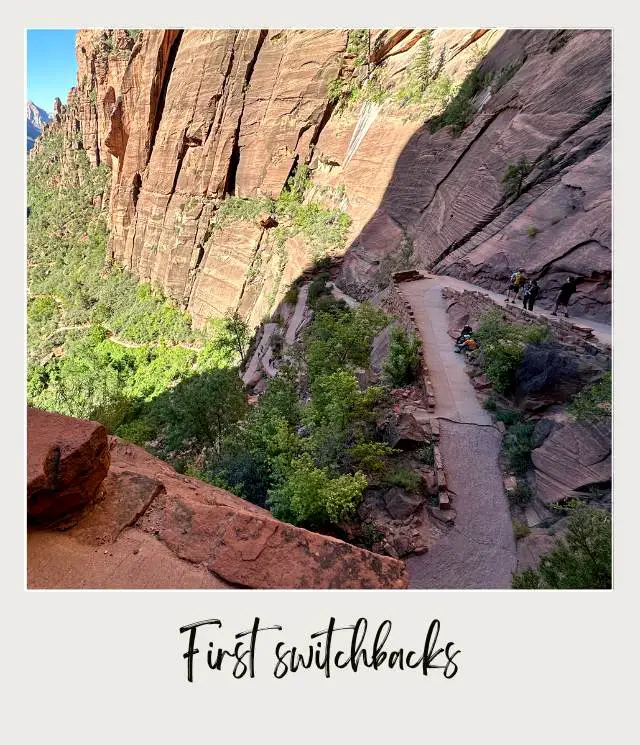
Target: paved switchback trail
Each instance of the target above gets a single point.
(480, 550)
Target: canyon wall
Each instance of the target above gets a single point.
(188, 118)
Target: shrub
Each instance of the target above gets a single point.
(503, 345)
(403, 363)
(582, 561)
(515, 175)
(532, 231)
(369, 535)
(507, 417)
(307, 495)
(317, 287)
(358, 44)
(522, 493)
(593, 403)
(517, 447)
(137, 431)
(329, 304)
(403, 477)
(369, 456)
(426, 454)
(459, 110)
(529, 579)
(291, 295)
(520, 530)
(490, 404)
(334, 90)
(335, 341)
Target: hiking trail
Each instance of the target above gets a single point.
(480, 550)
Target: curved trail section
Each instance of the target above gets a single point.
(480, 550)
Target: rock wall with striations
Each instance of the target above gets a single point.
(549, 103)
(188, 118)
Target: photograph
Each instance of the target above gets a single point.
(318, 308)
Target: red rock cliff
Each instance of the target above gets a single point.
(185, 118)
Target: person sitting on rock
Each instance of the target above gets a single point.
(464, 334)
(516, 281)
(531, 292)
(566, 291)
(466, 343)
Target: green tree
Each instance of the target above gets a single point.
(403, 363)
(422, 66)
(206, 408)
(582, 561)
(515, 175)
(236, 333)
(308, 495)
(341, 339)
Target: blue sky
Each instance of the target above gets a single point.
(51, 65)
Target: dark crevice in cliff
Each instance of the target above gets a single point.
(329, 108)
(184, 146)
(230, 182)
(135, 191)
(545, 162)
(247, 275)
(171, 58)
(199, 257)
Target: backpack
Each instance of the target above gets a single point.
(516, 279)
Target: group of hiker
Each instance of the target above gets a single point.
(531, 291)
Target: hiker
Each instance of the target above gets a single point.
(515, 283)
(566, 291)
(531, 292)
(464, 334)
(468, 345)
(465, 342)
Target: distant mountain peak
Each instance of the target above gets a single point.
(36, 119)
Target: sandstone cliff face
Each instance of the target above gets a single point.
(104, 513)
(447, 193)
(187, 118)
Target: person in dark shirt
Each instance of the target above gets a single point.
(464, 334)
(531, 292)
(566, 291)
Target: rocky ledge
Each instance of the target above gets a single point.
(103, 513)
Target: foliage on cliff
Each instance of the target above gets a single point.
(100, 345)
(581, 561)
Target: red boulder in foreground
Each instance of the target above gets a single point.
(136, 523)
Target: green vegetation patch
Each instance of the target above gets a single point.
(324, 229)
(502, 344)
(404, 362)
(581, 561)
(594, 402)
